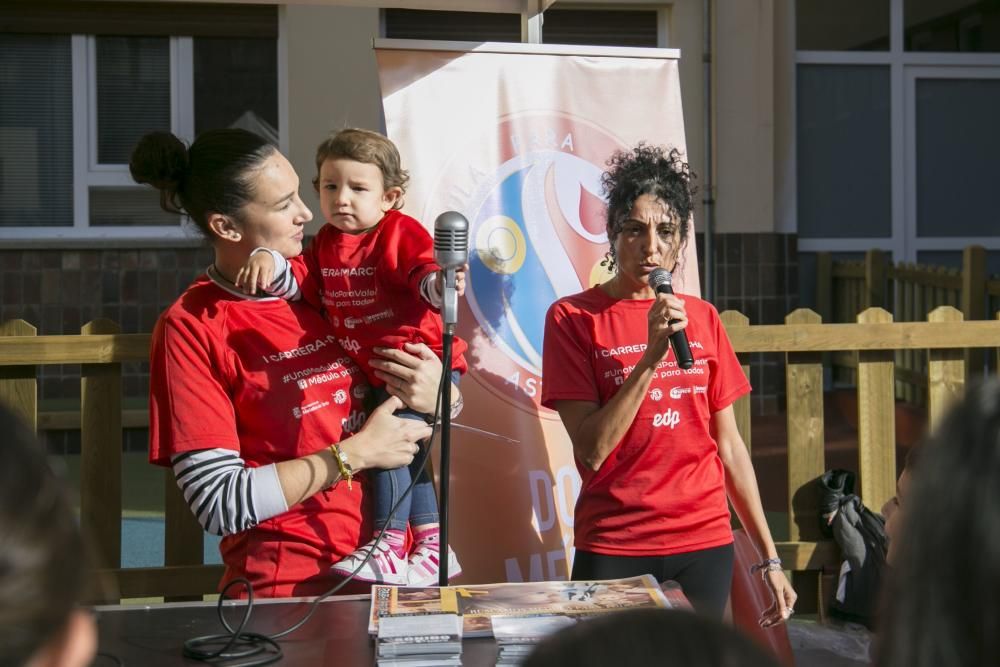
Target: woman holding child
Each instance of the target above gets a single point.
(659, 452)
(253, 402)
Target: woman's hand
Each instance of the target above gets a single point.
(386, 441)
(665, 317)
(412, 375)
(784, 599)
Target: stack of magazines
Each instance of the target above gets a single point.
(423, 640)
(476, 604)
(517, 635)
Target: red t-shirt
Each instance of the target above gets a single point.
(661, 491)
(368, 285)
(264, 378)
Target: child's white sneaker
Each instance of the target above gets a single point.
(384, 566)
(425, 567)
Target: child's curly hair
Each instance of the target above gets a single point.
(368, 147)
(647, 170)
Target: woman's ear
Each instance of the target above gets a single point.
(224, 227)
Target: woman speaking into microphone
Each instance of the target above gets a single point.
(655, 443)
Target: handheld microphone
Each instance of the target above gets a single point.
(451, 251)
(661, 282)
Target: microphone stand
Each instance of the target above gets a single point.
(449, 316)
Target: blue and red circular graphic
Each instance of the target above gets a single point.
(536, 233)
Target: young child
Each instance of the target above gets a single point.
(371, 271)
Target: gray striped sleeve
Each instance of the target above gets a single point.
(283, 285)
(225, 495)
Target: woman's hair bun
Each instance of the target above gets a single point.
(161, 160)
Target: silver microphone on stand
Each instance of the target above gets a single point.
(451, 252)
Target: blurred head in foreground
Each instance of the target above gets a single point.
(649, 637)
(941, 603)
(41, 560)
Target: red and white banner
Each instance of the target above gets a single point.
(515, 137)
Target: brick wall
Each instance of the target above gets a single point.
(58, 291)
(757, 274)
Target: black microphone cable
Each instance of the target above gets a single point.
(237, 644)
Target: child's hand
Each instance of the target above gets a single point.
(257, 272)
(459, 280)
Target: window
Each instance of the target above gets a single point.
(896, 139)
(600, 27)
(593, 26)
(36, 130)
(932, 25)
(956, 127)
(73, 105)
(845, 25)
(451, 26)
(843, 151)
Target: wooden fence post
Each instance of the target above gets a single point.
(101, 451)
(730, 319)
(19, 384)
(945, 371)
(804, 415)
(806, 461)
(184, 538)
(876, 279)
(974, 280)
(876, 418)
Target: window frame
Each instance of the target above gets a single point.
(88, 173)
(904, 68)
(532, 28)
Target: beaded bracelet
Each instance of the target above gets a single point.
(765, 566)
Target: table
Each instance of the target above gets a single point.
(337, 634)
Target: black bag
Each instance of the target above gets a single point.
(860, 533)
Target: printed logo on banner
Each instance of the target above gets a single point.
(536, 233)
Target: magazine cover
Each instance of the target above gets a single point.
(478, 603)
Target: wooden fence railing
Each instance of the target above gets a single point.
(909, 291)
(101, 350)
(874, 339)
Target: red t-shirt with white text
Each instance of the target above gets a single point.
(368, 285)
(661, 491)
(264, 378)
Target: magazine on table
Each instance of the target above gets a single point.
(422, 634)
(517, 630)
(478, 603)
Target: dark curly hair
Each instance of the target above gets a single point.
(647, 170)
